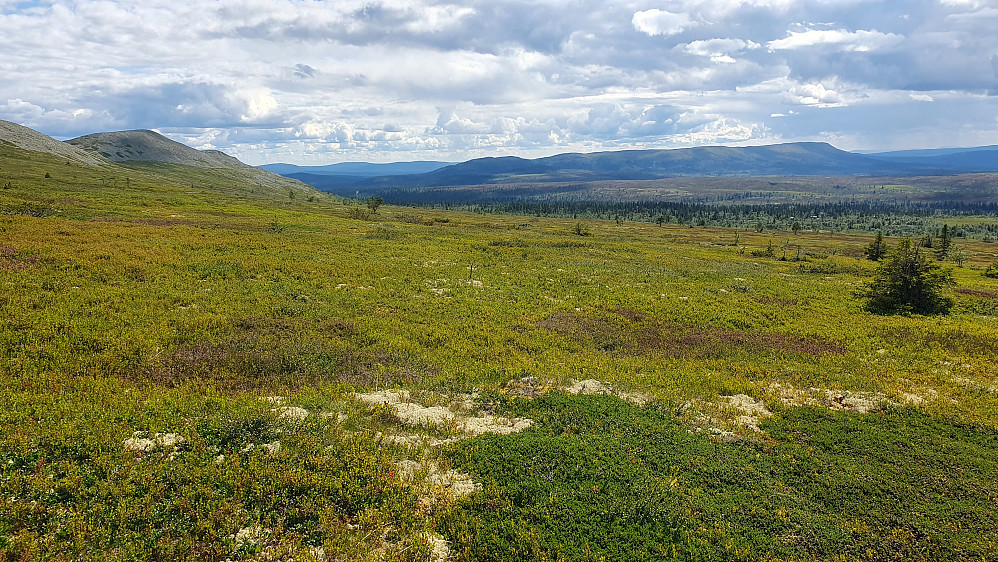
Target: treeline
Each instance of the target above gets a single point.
(891, 218)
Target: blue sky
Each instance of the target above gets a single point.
(313, 82)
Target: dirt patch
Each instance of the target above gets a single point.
(778, 301)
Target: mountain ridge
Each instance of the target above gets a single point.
(26, 138)
(783, 160)
(142, 147)
(786, 159)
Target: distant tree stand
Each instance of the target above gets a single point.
(908, 282)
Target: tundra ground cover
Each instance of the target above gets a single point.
(174, 303)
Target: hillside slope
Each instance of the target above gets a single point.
(144, 156)
(144, 146)
(150, 146)
(24, 138)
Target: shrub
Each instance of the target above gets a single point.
(908, 282)
(991, 271)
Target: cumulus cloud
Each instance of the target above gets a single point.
(814, 94)
(661, 22)
(861, 40)
(398, 79)
(719, 50)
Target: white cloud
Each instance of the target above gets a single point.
(719, 50)
(433, 19)
(660, 22)
(814, 94)
(965, 4)
(442, 79)
(861, 41)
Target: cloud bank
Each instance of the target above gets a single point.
(311, 82)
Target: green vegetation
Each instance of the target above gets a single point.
(152, 315)
(877, 249)
(600, 478)
(908, 282)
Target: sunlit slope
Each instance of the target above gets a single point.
(17, 136)
(146, 148)
(55, 177)
(182, 359)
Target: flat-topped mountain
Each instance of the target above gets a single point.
(29, 139)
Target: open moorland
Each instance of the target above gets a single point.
(195, 367)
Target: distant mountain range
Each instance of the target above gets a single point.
(359, 169)
(142, 147)
(790, 159)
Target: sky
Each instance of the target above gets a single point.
(312, 82)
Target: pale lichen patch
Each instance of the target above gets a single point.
(835, 399)
(439, 551)
(593, 386)
(752, 411)
(290, 413)
(450, 482)
(492, 424)
(158, 440)
(526, 387)
(252, 535)
(414, 414)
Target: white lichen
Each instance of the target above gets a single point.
(291, 413)
(148, 444)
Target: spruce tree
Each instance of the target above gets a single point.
(945, 241)
(908, 282)
(877, 249)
